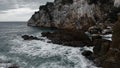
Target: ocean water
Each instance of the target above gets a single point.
(35, 53)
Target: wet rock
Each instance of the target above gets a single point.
(68, 37)
(27, 37)
(88, 54)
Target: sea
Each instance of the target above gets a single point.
(14, 51)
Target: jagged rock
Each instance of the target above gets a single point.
(88, 54)
(72, 14)
(81, 15)
(27, 37)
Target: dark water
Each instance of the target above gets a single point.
(36, 54)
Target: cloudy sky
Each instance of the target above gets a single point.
(19, 10)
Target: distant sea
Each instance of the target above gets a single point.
(35, 53)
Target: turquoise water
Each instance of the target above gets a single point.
(36, 53)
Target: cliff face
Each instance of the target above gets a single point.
(73, 14)
(81, 14)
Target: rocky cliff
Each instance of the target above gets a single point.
(112, 59)
(82, 14)
(74, 14)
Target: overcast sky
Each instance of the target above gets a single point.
(19, 10)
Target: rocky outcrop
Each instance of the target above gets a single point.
(27, 37)
(94, 16)
(74, 14)
(113, 55)
(68, 38)
(106, 52)
(88, 54)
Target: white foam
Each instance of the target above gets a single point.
(2, 57)
(46, 50)
(4, 61)
(108, 37)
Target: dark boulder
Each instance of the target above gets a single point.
(27, 37)
(88, 54)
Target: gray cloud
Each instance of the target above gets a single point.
(6, 6)
(11, 4)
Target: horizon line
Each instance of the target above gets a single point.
(13, 21)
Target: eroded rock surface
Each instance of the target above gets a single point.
(74, 14)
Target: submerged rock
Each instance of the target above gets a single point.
(27, 37)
